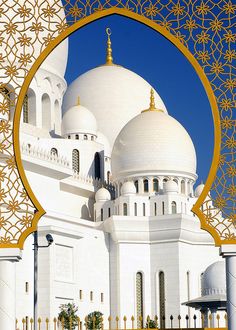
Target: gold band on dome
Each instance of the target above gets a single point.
(109, 59)
(152, 106)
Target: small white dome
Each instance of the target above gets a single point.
(128, 188)
(199, 189)
(153, 142)
(102, 195)
(113, 94)
(79, 119)
(214, 279)
(101, 138)
(170, 186)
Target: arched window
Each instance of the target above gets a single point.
(145, 185)
(85, 137)
(162, 299)
(108, 176)
(92, 138)
(5, 99)
(68, 136)
(135, 209)
(144, 209)
(188, 285)
(46, 112)
(155, 209)
(182, 187)
(97, 166)
(25, 109)
(163, 208)
(139, 299)
(75, 161)
(155, 185)
(125, 209)
(101, 214)
(173, 208)
(77, 136)
(136, 185)
(189, 188)
(54, 152)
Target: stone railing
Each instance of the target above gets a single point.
(43, 154)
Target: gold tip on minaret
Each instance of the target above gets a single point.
(78, 100)
(109, 59)
(152, 106)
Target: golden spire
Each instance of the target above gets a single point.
(152, 106)
(109, 59)
(78, 100)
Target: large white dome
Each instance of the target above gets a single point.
(114, 95)
(153, 142)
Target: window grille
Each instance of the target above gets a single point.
(75, 160)
(139, 299)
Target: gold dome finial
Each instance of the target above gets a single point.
(78, 100)
(152, 106)
(109, 59)
(152, 101)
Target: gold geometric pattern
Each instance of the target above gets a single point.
(202, 30)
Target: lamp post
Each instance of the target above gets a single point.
(49, 239)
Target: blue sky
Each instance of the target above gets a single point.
(144, 51)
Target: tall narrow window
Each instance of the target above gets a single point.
(109, 212)
(108, 176)
(173, 207)
(101, 214)
(144, 209)
(163, 208)
(125, 209)
(155, 185)
(75, 160)
(139, 298)
(97, 166)
(77, 136)
(135, 209)
(26, 287)
(91, 295)
(155, 209)
(145, 185)
(80, 294)
(162, 299)
(46, 112)
(54, 152)
(85, 137)
(136, 185)
(182, 187)
(26, 109)
(102, 297)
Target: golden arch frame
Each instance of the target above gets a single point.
(162, 30)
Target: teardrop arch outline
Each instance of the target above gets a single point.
(189, 56)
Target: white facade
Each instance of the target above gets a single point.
(139, 222)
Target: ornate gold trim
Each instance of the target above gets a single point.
(178, 42)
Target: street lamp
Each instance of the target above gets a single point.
(49, 239)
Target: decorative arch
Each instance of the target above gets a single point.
(46, 112)
(177, 42)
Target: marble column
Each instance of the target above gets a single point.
(8, 257)
(229, 253)
(213, 317)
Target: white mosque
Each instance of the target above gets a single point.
(115, 173)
